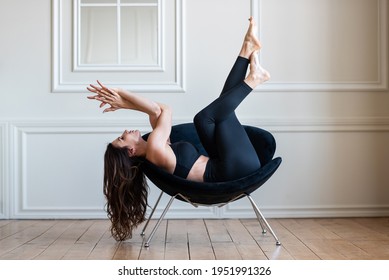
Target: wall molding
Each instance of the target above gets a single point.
(382, 84)
(3, 171)
(15, 187)
(85, 125)
(67, 80)
(19, 133)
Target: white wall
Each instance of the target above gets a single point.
(327, 105)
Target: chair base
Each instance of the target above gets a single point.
(261, 219)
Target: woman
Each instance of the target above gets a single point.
(230, 152)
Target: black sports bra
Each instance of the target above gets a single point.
(186, 155)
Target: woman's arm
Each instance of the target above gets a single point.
(122, 99)
(158, 139)
(160, 116)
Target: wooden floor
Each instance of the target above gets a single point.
(302, 239)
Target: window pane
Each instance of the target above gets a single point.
(139, 33)
(98, 35)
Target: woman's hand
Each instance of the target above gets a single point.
(121, 99)
(106, 96)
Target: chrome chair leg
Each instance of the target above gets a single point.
(262, 218)
(147, 244)
(151, 214)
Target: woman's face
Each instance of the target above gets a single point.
(127, 140)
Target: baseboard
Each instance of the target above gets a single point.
(310, 211)
(215, 212)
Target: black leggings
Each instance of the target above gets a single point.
(231, 153)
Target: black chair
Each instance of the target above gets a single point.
(211, 194)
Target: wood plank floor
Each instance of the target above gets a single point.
(302, 239)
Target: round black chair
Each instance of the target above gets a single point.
(219, 193)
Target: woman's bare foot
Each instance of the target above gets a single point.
(251, 43)
(257, 74)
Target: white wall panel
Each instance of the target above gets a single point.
(328, 45)
(58, 171)
(326, 172)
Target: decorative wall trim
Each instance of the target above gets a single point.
(20, 132)
(3, 172)
(382, 84)
(15, 187)
(21, 209)
(373, 124)
(76, 81)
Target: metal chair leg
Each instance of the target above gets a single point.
(257, 213)
(151, 215)
(262, 218)
(147, 244)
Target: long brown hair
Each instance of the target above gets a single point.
(126, 190)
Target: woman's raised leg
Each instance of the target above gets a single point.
(220, 132)
(239, 69)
